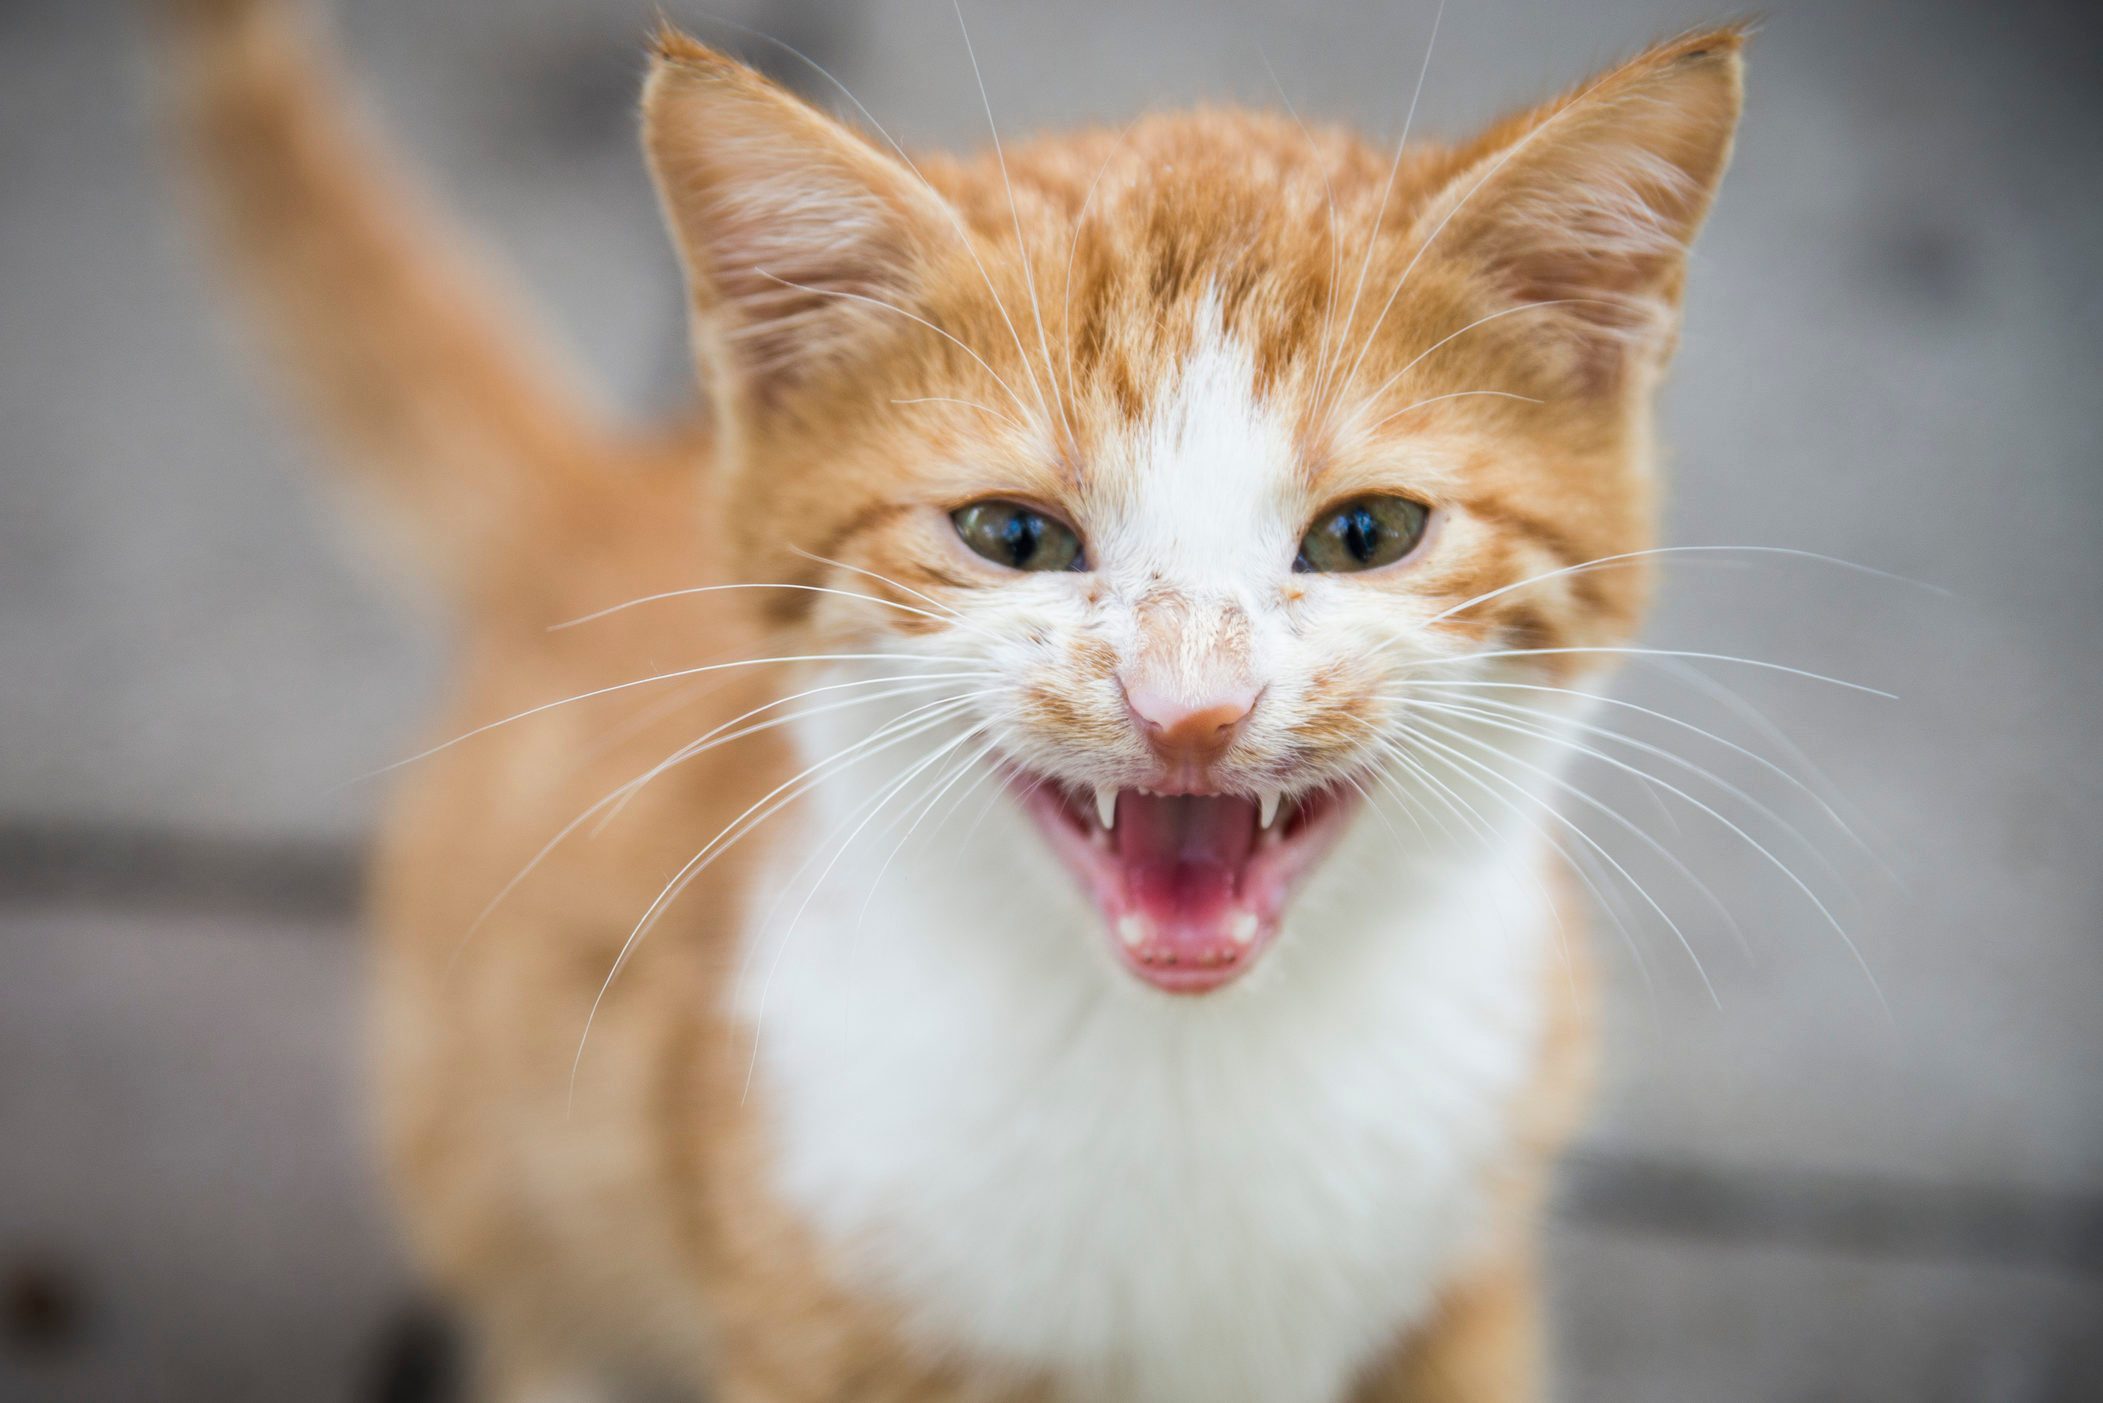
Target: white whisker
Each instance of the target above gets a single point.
(1623, 557)
(1455, 394)
(710, 740)
(660, 596)
(1753, 755)
(910, 316)
(1387, 191)
(1590, 801)
(645, 682)
(1611, 861)
(1073, 248)
(1485, 707)
(1633, 652)
(1387, 384)
(1022, 251)
(1762, 849)
(1516, 147)
(759, 1016)
(884, 579)
(1005, 418)
(746, 822)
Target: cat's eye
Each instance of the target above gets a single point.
(1018, 536)
(1363, 534)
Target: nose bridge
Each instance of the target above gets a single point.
(1196, 648)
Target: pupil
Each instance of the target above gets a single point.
(1361, 535)
(1020, 535)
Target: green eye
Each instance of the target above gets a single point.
(1019, 537)
(1362, 535)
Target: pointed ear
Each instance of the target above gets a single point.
(1595, 197)
(789, 224)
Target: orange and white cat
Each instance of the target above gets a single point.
(1074, 940)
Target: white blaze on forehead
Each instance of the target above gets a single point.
(1198, 498)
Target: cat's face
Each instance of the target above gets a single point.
(1197, 469)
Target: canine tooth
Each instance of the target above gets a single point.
(1242, 929)
(1131, 930)
(1267, 808)
(1106, 805)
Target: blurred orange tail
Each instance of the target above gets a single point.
(434, 387)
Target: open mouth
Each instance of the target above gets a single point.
(1191, 886)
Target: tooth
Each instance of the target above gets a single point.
(1131, 930)
(1242, 929)
(1267, 807)
(1106, 805)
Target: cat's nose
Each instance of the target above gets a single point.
(1184, 731)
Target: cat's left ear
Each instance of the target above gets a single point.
(1593, 199)
(792, 227)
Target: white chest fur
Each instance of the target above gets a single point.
(1240, 1196)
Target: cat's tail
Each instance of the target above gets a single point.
(386, 322)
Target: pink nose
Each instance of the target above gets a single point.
(1186, 732)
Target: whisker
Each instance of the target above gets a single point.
(708, 741)
(884, 579)
(1634, 652)
(620, 794)
(1314, 155)
(1753, 755)
(759, 1016)
(1073, 247)
(1481, 827)
(662, 595)
(955, 217)
(1569, 859)
(1008, 419)
(1421, 768)
(1022, 252)
(1585, 566)
(1465, 200)
(1780, 866)
(1456, 394)
(736, 830)
(1587, 839)
(1620, 819)
(645, 682)
(1386, 193)
(1387, 384)
(1485, 707)
(910, 316)
(1834, 795)
(925, 809)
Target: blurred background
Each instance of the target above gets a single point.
(1829, 1179)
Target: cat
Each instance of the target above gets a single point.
(1004, 786)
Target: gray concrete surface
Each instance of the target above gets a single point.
(1891, 356)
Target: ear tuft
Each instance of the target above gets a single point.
(1593, 199)
(792, 227)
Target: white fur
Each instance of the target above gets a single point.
(1243, 1196)
(1042, 1162)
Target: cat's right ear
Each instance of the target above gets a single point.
(793, 228)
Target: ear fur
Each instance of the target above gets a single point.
(790, 225)
(1596, 196)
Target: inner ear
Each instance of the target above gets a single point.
(1592, 200)
(796, 233)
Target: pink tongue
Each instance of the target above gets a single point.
(1183, 857)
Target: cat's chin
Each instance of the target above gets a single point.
(1191, 887)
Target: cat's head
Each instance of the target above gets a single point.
(1172, 458)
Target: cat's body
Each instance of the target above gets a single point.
(876, 1109)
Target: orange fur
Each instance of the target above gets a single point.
(635, 1224)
